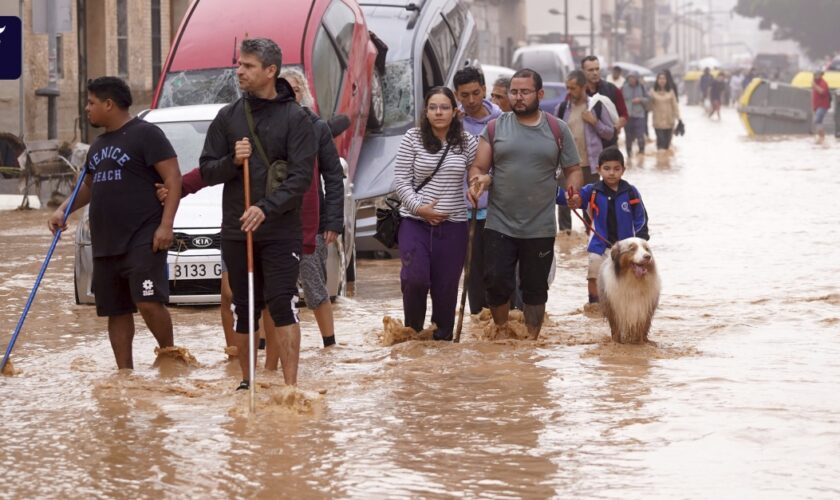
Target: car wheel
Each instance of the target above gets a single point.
(376, 114)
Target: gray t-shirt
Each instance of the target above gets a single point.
(524, 188)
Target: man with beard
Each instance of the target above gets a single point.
(130, 231)
(525, 148)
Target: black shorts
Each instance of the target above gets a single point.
(502, 253)
(121, 281)
(276, 268)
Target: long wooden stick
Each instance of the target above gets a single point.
(467, 263)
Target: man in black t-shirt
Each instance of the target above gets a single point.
(130, 231)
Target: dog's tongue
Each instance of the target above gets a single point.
(639, 270)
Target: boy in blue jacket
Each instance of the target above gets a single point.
(616, 210)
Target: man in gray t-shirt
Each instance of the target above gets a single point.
(520, 224)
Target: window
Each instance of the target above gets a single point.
(432, 76)
(443, 45)
(340, 22)
(59, 55)
(544, 62)
(187, 138)
(156, 59)
(122, 38)
(456, 19)
(328, 74)
(398, 91)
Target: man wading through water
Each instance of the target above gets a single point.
(520, 227)
(477, 112)
(130, 231)
(285, 132)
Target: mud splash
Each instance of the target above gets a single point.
(9, 369)
(394, 332)
(279, 400)
(181, 354)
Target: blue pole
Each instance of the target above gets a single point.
(41, 273)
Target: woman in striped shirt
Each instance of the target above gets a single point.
(433, 233)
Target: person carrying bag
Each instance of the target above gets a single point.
(433, 228)
(388, 219)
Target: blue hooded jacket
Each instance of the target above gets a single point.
(630, 214)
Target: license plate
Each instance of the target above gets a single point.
(195, 271)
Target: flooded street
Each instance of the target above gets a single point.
(739, 399)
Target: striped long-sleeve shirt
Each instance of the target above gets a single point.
(414, 163)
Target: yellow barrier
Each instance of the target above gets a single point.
(745, 101)
(804, 79)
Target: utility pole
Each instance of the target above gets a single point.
(592, 26)
(566, 20)
(51, 17)
(22, 94)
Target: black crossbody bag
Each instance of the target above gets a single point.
(388, 219)
(277, 170)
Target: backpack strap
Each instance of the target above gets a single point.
(561, 109)
(554, 125)
(491, 132)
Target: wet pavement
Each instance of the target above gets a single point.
(738, 398)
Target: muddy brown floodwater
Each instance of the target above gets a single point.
(739, 399)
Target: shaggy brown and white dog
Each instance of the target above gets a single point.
(628, 289)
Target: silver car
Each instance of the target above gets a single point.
(427, 43)
(194, 261)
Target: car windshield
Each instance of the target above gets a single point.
(398, 91)
(543, 62)
(188, 140)
(202, 86)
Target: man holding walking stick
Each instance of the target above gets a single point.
(526, 148)
(130, 231)
(266, 127)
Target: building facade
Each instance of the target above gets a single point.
(127, 38)
(501, 29)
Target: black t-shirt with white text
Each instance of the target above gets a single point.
(124, 211)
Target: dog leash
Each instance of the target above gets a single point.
(589, 226)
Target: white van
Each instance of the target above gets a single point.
(553, 61)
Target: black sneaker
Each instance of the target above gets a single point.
(243, 386)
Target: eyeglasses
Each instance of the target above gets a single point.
(497, 96)
(442, 107)
(523, 93)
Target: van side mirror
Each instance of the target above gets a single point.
(338, 124)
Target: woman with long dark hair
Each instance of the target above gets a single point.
(429, 175)
(665, 110)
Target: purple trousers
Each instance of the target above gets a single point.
(432, 261)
